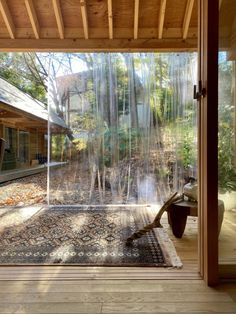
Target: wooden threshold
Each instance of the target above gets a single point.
(18, 273)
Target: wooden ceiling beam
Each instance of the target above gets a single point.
(161, 18)
(98, 45)
(84, 18)
(59, 19)
(136, 15)
(7, 18)
(187, 18)
(110, 18)
(33, 17)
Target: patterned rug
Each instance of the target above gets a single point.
(93, 236)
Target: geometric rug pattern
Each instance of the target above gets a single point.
(93, 236)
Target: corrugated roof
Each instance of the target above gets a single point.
(14, 97)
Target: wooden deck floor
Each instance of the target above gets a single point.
(60, 289)
(116, 296)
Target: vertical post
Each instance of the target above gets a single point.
(208, 141)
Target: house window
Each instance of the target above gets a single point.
(23, 146)
(11, 139)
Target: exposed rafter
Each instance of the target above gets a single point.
(110, 18)
(59, 19)
(136, 14)
(161, 18)
(33, 17)
(7, 18)
(84, 17)
(187, 17)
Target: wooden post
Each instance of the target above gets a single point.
(208, 141)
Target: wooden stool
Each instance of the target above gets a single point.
(180, 210)
(178, 213)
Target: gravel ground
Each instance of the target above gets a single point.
(25, 191)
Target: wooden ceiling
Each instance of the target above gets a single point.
(98, 25)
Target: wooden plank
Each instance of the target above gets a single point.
(136, 16)
(8, 114)
(84, 18)
(113, 297)
(161, 18)
(7, 18)
(59, 19)
(119, 296)
(181, 307)
(59, 308)
(92, 45)
(90, 286)
(110, 18)
(187, 17)
(33, 17)
(220, 3)
(208, 143)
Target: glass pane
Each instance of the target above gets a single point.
(10, 153)
(226, 140)
(127, 133)
(23, 147)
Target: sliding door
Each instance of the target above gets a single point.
(227, 138)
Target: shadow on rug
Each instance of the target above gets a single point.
(92, 236)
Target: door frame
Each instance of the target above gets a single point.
(208, 141)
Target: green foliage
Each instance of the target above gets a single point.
(80, 144)
(85, 122)
(226, 135)
(126, 140)
(58, 147)
(23, 71)
(226, 155)
(187, 151)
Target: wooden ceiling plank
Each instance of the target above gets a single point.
(33, 17)
(187, 17)
(7, 18)
(110, 19)
(59, 19)
(136, 15)
(161, 18)
(84, 18)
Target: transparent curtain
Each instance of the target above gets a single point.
(122, 127)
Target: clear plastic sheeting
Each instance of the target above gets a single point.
(131, 135)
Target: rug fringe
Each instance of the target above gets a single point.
(168, 248)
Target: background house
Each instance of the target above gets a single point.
(24, 127)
